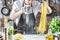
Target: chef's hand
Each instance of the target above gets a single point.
(23, 8)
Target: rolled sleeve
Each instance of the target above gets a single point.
(16, 7)
(39, 7)
(36, 7)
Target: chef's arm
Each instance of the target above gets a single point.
(49, 9)
(15, 15)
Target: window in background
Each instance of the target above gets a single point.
(56, 1)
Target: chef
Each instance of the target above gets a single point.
(24, 12)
